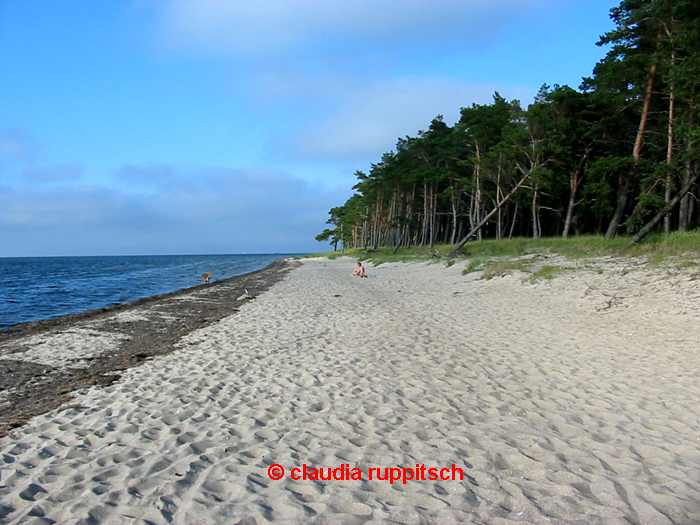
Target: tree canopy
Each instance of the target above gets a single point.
(617, 154)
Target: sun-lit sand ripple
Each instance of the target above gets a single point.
(557, 409)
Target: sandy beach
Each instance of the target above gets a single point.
(567, 401)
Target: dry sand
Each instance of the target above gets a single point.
(570, 401)
(43, 363)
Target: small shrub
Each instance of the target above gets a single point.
(548, 272)
(501, 268)
(475, 265)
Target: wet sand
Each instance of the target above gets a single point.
(43, 363)
(570, 401)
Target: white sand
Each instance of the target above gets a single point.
(575, 400)
(63, 349)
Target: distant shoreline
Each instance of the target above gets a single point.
(62, 320)
(38, 289)
(136, 330)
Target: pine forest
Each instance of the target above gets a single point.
(619, 155)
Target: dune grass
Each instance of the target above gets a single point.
(498, 257)
(499, 268)
(673, 244)
(546, 272)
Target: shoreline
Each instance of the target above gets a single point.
(62, 320)
(567, 401)
(131, 333)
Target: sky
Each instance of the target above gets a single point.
(134, 127)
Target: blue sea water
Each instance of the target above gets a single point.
(36, 288)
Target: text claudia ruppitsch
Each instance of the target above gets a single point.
(390, 474)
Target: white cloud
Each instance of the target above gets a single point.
(204, 211)
(62, 173)
(368, 120)
(326, 76)
(17, 145)
(272, 27)
(145, 178)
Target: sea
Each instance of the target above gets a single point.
(37, 288)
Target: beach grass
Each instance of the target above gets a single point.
(497, 257)
(501, 268)
(546, 272)
(323, 368)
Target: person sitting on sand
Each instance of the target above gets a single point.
(360, 270)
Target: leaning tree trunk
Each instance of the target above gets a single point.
(622, 195)
(515, 219)
(569, 211)
(665, 211)
(493, 212)
(626, 185)
(574, 182)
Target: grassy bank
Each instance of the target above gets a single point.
(496, 257)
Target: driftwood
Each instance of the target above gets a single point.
(613, 300)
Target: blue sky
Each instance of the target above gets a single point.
(231, 126)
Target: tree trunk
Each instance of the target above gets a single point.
(535, 212)
(667, 199)
(476, 209)
(625, 187)
(665, 211)
(433, 215)
(683, 214)
(515, 219)
(669, 148)
(622, 194)
(426, 211)
(392, 228)
(409, 215)
(398, 244)
(483, 222)
(569, 213)
(455, 212)
(499, 195)
(684, 211)
(378, 223)
(574, 182)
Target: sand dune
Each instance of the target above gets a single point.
(571, 401)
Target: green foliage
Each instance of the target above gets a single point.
(475, 265)
(547, 272)
(500, 257)
(594, 159)
(501, 268)
(674, 244)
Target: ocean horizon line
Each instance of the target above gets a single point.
(154, 255)
(39, 288)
